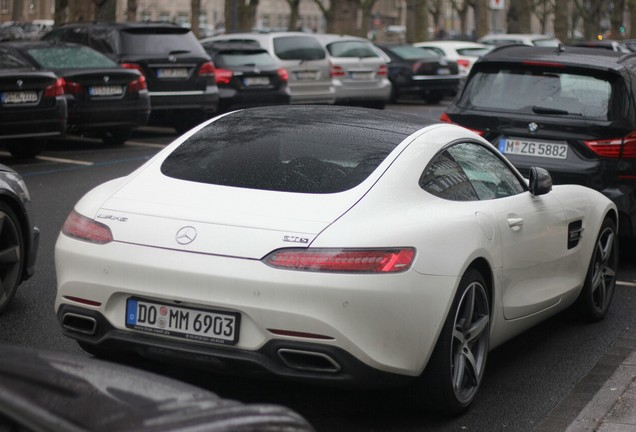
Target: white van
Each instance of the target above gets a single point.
(302, 55)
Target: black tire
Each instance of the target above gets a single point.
(600, 281)
(26, 149)
(116, 137)
(12, 254)
(456, 368)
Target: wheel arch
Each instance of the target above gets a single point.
(482, 266)
(23, 220)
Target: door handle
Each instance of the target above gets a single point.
(515, 223)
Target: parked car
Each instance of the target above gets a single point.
(247, 75)
(465, 53)
(419, 72)
(359, 74)
(103, 99)
(302, 55)
(53, 391)
(179, 73)
(570, 110)
(611, 45)
(519, 39)
(32, 106)
(331, 244)
(19, 238)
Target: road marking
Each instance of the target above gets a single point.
(143, 144)
(627, 284)
(68, 161)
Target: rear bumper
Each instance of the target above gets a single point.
(232, 99)
(33, 123)
(349, 91)
(206, 100)
(304, 93)
(110, 114)
(420, 84)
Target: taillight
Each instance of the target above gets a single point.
(137, 85)
(343, 260)
(463, 63)
(383, 70)
(133, 66)
(445, 118)
(207, 69)
(72, 87)
(336, 71)
(223, 76)
(615, 147)
(416, 66)
(55, 89)
(82, 228)
(283, 74)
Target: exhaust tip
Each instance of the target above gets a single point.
(79, 323)
(308, 361)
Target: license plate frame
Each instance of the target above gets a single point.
(23, 97)
(106, 91)
(225, 326)
(256, 81)
(525, 147)
(362, 76)
(306, 75)
(172, 73)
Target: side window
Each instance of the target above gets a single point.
(470, 172)
(490, 176)
(445, 178)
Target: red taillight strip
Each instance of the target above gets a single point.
(283, 74)
(383, 70)
(392, 260)
(207, 69)
(445, 118)
(299, 334)
(138, 84)
(224, 76)
(615, 147)
(55, 89)
(543, 64)
(84, 301)
(336, 71)
(82, 228)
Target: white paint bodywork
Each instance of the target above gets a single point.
(389, 321)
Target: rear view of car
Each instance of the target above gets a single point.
(32, 106)
(465, 53)
(571, 111)
(178, 72)
(247, 76)
(302, 56)
(360, 75)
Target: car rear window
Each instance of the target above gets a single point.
(9, 61)
(540, 91)
(408, 52)
(298, 48)
(159, 42)
(473, 52)
(71, 57)
(244, 58)
(358, 49)
(280, 152)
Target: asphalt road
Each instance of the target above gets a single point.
(525, 378)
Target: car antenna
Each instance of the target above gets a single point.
(560, 49)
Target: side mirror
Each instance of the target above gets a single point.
(540, 182)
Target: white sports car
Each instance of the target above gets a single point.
(331, 244)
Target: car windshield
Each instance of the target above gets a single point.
(255, 151)
(351, 49)
(160, 41)
(298, 48)
(244, 58)
(408, 52)
(537, 91)
(70, 57)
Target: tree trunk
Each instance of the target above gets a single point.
(631, 31)
(61, 12)
(17, 14)
(81, 10)
(105, 10)
(240, 15)
(367, 17)
(345, 13)
(616, 19)
(294, 15)
(561, 23)
(420, 31)
(519, 16)
(131, 11)
(195, 13)
(481, 18)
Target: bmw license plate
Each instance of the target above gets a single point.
(256, 81)
(172, 73)
(19, 97)
(533, 148)
(106, 90)
(189, 323)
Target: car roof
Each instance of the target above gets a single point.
(569, 56)
(26, 44)
(255, 36)
(330, 37)
(114, 24)
(452, 43)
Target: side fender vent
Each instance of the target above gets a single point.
(575, 233)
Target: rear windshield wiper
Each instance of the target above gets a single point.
(546, 110)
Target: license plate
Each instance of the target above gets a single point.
(361, 75)
(184, 322)
(306, 75)
(443, 71)
(172, 73)
(533, 148)
(106, 90)
(256, 81)
(19, 97)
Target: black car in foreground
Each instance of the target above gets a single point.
(47, 391)
(19, 238)
(247, 75)
(104, 99)
(419, 73)
(179, 73)
(32, 106)
(570, 110)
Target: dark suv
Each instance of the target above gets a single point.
(569, 110)
(179, 73)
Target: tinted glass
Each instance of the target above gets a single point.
(9, 61)
(411, 53)
(540, 91)
(358, 49)
(446, 179)
(298, 48)
(287, 152)
(473, 52)
(244, 58)
(160, 42)
(546, 42)
(77, 57)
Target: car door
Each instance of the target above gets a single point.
(532, 232)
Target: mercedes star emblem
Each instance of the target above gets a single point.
(186, 235)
